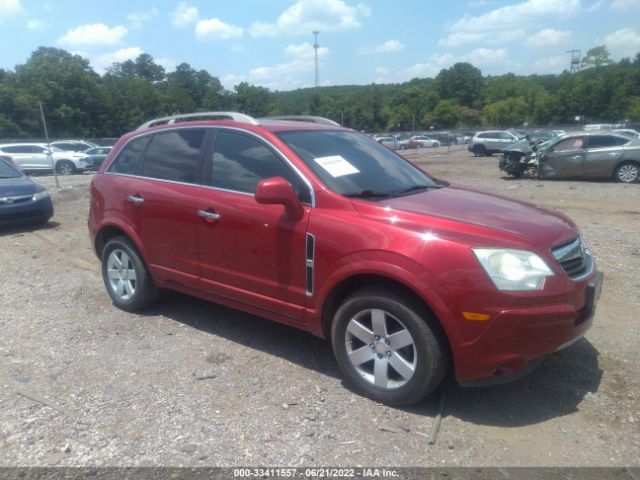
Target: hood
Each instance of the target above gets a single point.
(527, 222)
(13, 187)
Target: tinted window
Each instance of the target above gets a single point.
(129, 159)
(350, 163)
(6, 171)
(174, 155)
(240, 162)
(505, 136)
(602, 141)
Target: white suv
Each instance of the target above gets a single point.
(36, 157)
(488, 143)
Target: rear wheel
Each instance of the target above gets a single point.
(126, 276)
(627, 172)
(388, 347)
(479, 151)
(65, 167)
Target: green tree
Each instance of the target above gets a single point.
(597, 57)
(462, 82)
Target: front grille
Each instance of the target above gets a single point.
(574, 257)
(15, 199)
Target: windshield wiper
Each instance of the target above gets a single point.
(368, 194)
(417, 188)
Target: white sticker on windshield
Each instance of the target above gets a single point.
(336, 165)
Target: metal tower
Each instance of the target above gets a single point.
(575, 60)
(315, 47)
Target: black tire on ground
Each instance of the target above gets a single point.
(479, 151)
(627, 172)
(65, 167)
(368, 356)
(126, 276)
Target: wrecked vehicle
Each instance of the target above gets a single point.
(576, 155)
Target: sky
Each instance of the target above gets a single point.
(270, 42)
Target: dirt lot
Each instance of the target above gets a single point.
(191, 383)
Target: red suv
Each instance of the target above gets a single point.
(321, 228)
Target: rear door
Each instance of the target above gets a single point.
(162, 203)
(251, 253)
(564, 159)
(602, 155)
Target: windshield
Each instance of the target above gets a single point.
(351, 164)
(56, 149)
(7, 171)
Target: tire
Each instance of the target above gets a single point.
(479, 151)
(126, 276)
(65, 167)
(627, 172)
(435, 145)
(363, 333)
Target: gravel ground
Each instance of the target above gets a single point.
(189, 383)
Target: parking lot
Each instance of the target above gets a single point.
(190, 383)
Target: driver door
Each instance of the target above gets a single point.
(564, 159)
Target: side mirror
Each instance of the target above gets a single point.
(277, 190)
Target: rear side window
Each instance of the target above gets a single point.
(240, 162)
(174, 155)
(129, 160)
(603, 141)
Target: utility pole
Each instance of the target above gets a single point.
(315, 47)
(46, 134)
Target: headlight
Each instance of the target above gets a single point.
(40, 195)
(513, 270)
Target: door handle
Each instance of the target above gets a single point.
(577, 157)
(208, 216)
(135, 199)
(614, 154)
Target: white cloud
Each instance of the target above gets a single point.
(230, 80)
(9, 8)
(35, 25)
(94, 34)
(102, 62)
(184, 15)
(430, 68)
(456, 39)
(624, 5)
(285, 76)
(381, 71)
(387, 47)
(517, 15)
(137, 19)
(548, 37)
(216, 29)
(595, 6)
(551, 64)
(623, 43)
(486, 57)
(237, 48)
(307, 15)
(169, 64)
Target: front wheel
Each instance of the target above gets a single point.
(627, 172)
(65, 167)
(126, 277)
(479, 151)
(388, 347)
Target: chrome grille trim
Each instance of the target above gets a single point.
(575, 259)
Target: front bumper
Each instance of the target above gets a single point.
(27, 212)
(517, 339)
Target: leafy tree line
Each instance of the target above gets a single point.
(80, 103)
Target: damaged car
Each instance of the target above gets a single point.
(577, 155)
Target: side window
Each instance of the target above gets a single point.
(603, 141)
(573, 143)
(174, 155)
(14, 149)
(240, 162)
(506, 136)
(36, 149)
(129, 159)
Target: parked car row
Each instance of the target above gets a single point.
(66, 157)
(21, 199)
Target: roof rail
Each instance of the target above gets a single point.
(306, 118)
(194, 117)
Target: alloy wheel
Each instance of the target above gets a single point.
(381, 349)
(122, 274)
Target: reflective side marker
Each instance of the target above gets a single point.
(476, 316)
